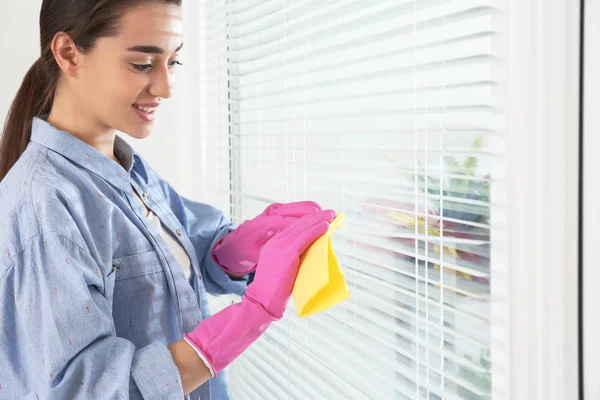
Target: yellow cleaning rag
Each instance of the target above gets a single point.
(320, 284)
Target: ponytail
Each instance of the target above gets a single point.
(34, 98)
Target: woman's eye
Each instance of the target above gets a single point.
(142, 67)
(146, 67)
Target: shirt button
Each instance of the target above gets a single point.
(178, 232)
(116, 267)
(145, 195)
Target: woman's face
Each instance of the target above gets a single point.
(125, 77)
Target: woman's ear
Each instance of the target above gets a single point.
(67, 55)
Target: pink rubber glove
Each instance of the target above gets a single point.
(237, 253)
(221, 338)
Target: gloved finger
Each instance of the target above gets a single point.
(271, 208)
(297, 228)
(273, 225)
(269, 225)
(307, 237)
(296, 209)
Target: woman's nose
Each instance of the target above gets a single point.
(162, 83)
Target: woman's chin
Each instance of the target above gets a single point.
(139, 133)
(137, 129)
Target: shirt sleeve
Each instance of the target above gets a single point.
(59, 336)
(205, 225)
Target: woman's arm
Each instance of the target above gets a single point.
(192, 369)
(220, 339)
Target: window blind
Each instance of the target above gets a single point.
(387, 111)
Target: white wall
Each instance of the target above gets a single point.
(542, 215)
(19, 46)
(168, 148)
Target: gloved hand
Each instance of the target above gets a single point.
(237, 253)
(221, 338)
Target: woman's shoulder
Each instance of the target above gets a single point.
(37, 192)
(39, 175)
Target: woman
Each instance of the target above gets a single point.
(104, 268)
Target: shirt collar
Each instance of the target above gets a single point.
(84, 155)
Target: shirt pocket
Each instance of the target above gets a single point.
(141, 310)
(137, 265)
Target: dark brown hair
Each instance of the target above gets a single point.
(85, 21)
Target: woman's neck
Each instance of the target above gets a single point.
(76, 120)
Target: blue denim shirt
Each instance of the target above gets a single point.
(90, 295)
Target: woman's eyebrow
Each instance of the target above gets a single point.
(151, 49)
